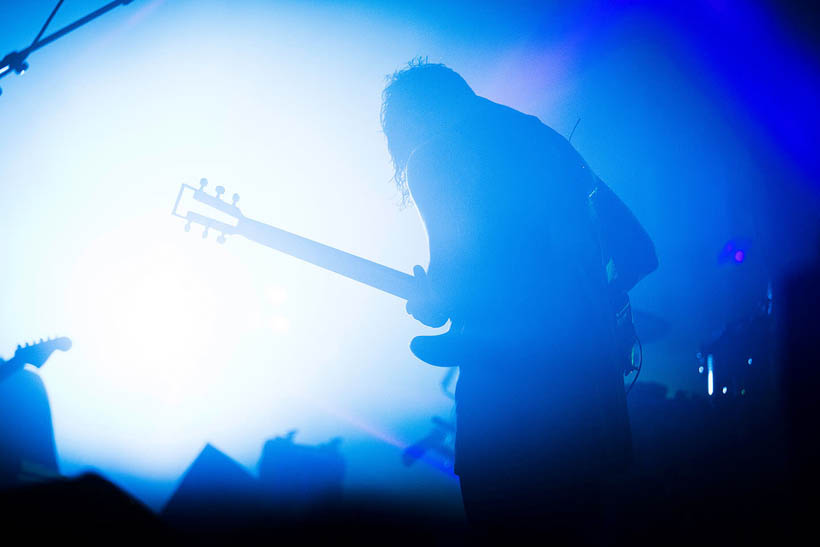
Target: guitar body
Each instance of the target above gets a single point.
(441, 350)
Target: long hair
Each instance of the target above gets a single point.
(414, 101)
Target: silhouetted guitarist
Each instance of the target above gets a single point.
(27, 450)
(528, 250)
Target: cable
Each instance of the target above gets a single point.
(574, 127)
(639, 367)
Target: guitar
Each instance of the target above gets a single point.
(443, 350)
(36, 353)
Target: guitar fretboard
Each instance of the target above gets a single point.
(351, 266)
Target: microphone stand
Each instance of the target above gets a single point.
(16, 60)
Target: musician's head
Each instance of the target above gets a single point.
(418, 102)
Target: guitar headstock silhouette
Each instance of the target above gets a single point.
(215, 202)
(37, 353)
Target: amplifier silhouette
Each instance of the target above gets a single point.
(218, 493)
(301, 477)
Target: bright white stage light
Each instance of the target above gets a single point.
(179, 341)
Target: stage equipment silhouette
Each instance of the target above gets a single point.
(16, 60)
(296, 483)
(216, 494)
(301, 478)
(440, 440)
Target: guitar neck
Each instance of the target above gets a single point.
(351, 266)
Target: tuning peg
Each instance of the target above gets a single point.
(235, 199)
(203, 183)
(205, 233)
(188, 226)
(41, 341)
(219, 191)
(221, 238)
(19, 346)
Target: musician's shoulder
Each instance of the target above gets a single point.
(428, 159)
(446, 152)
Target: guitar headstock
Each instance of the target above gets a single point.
(212, 206)
(37, 353)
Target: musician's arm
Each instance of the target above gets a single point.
(627, 242)
(430, 176)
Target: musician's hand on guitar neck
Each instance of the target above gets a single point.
(425, 305)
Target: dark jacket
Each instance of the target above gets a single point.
(516, 254)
